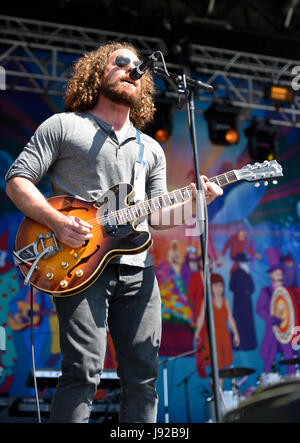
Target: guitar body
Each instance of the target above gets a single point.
(69, 270)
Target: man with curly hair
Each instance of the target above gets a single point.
(86, 150)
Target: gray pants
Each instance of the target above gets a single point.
(127, 301)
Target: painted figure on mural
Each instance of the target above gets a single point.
(174, 257)
(191, 275)
(242, 285)
(222, 316)
(238, 243)
(290, 271)
(270, 346)
(195, 293)
(43, 312)
(191, 264)
(175, 302)
(9, 287)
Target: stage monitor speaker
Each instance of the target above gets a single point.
(278, 403)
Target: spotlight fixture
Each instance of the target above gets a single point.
(262, 143)
(162, 135)
(280, 94)
(162, 126)
(222, 119)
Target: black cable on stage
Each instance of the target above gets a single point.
(32, 356)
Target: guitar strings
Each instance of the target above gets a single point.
(123, 213)
(229, 177)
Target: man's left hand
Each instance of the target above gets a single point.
(211, 190)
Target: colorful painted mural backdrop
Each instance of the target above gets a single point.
(254, 243)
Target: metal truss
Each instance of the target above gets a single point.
(243, 78)
(38, 57)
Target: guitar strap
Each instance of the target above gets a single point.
(140, 163)
(138, 180)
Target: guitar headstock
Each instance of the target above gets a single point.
(260, 171)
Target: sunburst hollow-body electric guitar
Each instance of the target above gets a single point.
(57, 269)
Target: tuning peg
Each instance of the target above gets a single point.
(257, 185)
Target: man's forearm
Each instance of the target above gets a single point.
(29, 200)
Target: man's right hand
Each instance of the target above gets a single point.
(73, 231)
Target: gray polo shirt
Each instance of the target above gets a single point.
(82, 156)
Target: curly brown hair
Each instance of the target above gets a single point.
(83, 87)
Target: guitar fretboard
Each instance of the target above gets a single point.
(224, 179)
(147, 207)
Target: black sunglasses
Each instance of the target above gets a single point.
(122, 61)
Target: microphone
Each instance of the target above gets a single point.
(140, 70)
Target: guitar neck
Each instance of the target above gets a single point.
(147, 207)
(225, 179)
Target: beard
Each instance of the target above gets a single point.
(119, 93)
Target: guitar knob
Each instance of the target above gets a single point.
(49, 275)
(79, 273)
(63, 284)
(64, 264)
(257, 185)
(275, 182)
(266, 183)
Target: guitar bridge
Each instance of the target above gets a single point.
(30, 255)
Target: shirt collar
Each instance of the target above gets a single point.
(109, 129)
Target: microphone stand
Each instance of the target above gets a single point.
(184, 382)
(164, 364)
(186, 90)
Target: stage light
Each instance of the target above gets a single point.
(162, 135)
(162, 126)
(222, 119)
(262, 143)
(280, 94)
(232, 136)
